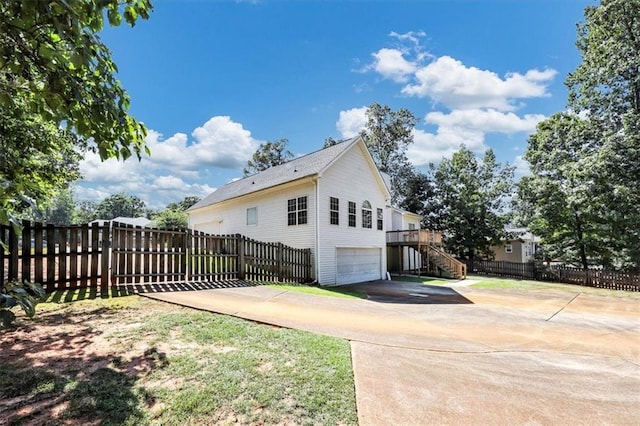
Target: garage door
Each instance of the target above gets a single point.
(357, 264)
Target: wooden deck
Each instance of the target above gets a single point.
(415, 250)
(414, 237)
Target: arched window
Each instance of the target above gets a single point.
(366, 214)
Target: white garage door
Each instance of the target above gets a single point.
(357, 264)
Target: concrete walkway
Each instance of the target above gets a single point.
(466, 356)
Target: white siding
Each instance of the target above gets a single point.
(351, 178)
(272, 216)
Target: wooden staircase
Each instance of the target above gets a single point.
(436, 258)
(432, 258)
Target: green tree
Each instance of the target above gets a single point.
(606, 84)
(171, 219)
(184, 204)
(84, 212)
(55, 71)
(174, 216)
(269, 154)
(120, 205)
(416, 191)
(469, 202)
(329, 142)
(603, 168)
(387, 134)
(37, 159)
(59, 210)
(555, 201)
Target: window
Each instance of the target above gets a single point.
(366, 214)
(297, 211)
(334, 211)
(508, 248)
(252, 216)
(412, 226)
(352, 214)
(379, 216)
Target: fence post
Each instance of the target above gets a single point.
(241, 261)
(188, 255)
(25, 274)
(105, 276)
(13, 254)
(279, 256)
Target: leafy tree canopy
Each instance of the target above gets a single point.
(388, 134)
(184, 204)
(37, 159)
(269, 154)
(55, 73)
(593, 153)
(120, 205)
(469, 202)
(174, 216)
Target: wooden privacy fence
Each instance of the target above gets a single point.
(68, 257)
(56, 256)
(614, 280)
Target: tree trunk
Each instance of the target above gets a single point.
(581, 245)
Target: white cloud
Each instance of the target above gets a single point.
(522, 166)
(390, 63)
(485, 120)
(448, 81)
(351, 121)
(176, 167)
(412, 36)
(431, 148)
(451, 83)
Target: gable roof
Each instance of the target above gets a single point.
(299, 168)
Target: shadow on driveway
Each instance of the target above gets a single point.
(407, 292)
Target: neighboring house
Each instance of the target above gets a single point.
(331, 201)
(521, 248)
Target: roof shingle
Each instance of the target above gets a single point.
(301, 167)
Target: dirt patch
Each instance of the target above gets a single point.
(66, 347)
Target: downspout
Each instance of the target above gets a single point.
(316, 267)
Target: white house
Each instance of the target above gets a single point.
(331, 201)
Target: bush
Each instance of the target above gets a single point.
(23, 294)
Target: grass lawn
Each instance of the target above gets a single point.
(132, 360)
(319, 291)
(508, 283)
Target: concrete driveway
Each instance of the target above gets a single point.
(438, 355)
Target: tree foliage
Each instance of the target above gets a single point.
(184, 204)
(469, 202)
(26, 295)
(58, 90)
(329, 142)
(58, 210)
(119, 205)
(269, 154)
(597, 207)
(388, 134)
(555, 202)
(37, 159)
(171, 219)
(174, 216)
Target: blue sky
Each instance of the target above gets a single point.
(214, 79)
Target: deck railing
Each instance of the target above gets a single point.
(414, 236)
